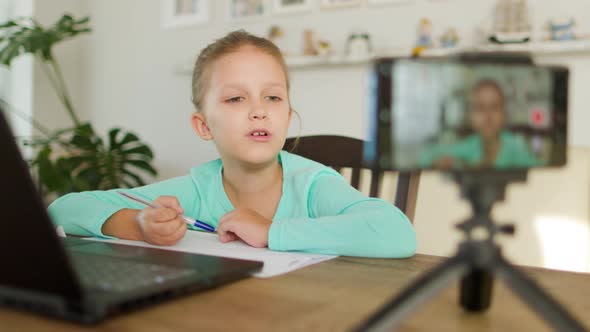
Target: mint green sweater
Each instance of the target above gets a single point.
(514, 152)
(318, 211)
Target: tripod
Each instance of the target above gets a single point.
(477, 261)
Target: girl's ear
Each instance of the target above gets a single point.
(200, 126)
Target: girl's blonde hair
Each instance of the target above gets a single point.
(229, 44)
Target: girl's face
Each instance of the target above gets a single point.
(246, 108)
(487, 112)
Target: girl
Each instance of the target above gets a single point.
(255, 192)
(491, 144)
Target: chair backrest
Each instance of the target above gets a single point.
(346, 152)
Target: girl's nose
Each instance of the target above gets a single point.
(258, 113)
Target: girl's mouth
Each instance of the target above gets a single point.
(260, 135)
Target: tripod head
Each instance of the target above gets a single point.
(482, 189)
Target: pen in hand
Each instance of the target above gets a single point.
(188, 220)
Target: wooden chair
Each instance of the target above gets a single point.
(346, 152)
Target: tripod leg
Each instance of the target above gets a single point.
(476, 290)
(418, 292)
(534, 296)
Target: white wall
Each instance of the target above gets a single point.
(70, 54)
(131, 80)
(124, 74)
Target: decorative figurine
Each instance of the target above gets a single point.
(309, 47)
(358, 45)
(276, 35)
(511, 22)
(562, 29)
(324, 48)
(424, 34)
(449, 39)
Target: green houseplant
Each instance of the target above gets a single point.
(74, 158)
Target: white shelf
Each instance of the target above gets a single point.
(535, 48)
(332, 60)
(546, 47)
(342, 60)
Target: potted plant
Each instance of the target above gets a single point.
(74, 158)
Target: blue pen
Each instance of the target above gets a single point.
(188, 220)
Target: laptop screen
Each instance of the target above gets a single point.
(29, 243)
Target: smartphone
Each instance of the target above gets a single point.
(466, 113)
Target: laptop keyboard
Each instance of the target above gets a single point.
(117, 275)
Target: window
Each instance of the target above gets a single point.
(16, 82)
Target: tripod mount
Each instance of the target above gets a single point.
(477, 261)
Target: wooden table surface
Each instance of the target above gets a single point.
(330, 296)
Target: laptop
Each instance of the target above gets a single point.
(80, 280)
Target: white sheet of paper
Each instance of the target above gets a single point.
(275, 262)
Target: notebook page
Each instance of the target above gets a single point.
(275, 262)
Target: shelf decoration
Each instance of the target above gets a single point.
(339, 3)
(240, 10)
(181, 13)
(291, 6)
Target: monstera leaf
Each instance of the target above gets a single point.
(25, 35)
(76, 159)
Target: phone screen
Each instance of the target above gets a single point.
(449, 115)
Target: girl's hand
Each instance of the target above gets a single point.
(162, 226)
(246, 225)
(444, 163)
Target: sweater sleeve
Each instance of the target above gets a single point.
(84, 213)
(343, 221)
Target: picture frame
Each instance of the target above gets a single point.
(388, 2)
(328, 4)
(182, 13)
(291, 6)
(241, 10)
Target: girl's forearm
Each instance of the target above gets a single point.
(122, 225)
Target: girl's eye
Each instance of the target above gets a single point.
(274, 98)
(234, 100)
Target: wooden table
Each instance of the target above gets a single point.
(330, 296)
